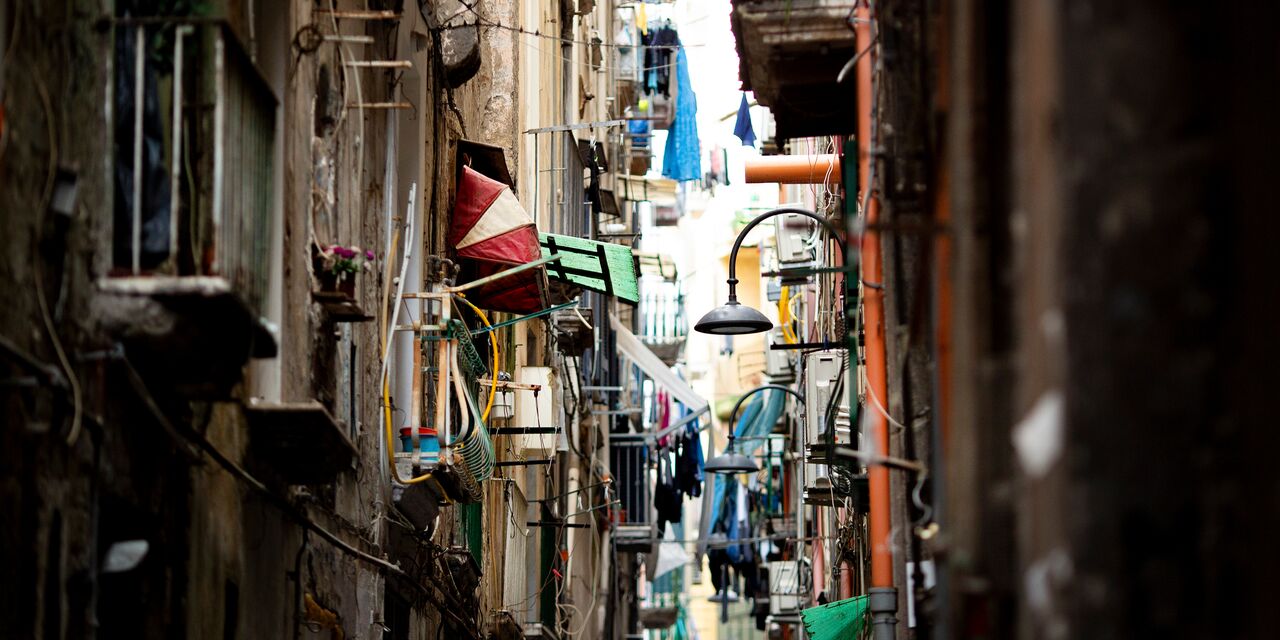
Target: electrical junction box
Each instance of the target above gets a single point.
(773, 290)
(777, 362)
(792, 235)
(784, 586)
(536, 412)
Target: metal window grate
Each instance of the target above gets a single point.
(629, 461)
(194, 155)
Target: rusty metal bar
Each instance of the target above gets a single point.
(379, 105)
(356, 14)
(381, 64)
(504, 274)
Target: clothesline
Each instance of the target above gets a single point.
(602, 67)
(497, 25)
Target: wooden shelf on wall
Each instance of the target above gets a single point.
(301, 441)
(339, 307)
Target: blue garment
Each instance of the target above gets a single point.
(742, 128)
(682, 159)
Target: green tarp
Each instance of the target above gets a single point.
(841, 620)
(599, 266)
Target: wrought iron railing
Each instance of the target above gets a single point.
(629, 462)
(194, 126)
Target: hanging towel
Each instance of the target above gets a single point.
(682, 159)
(742, 128)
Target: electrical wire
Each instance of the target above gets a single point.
(345, 54)
(77, 400)
(489, 23)
(276, 500)
(389, 263)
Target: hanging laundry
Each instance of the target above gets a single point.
(742, 128)
(689, 462)
(660, 43)
(666, 497)
(682, 159)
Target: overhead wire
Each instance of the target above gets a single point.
(276, 500)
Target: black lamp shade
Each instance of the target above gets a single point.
(731, 462)
(733, 318)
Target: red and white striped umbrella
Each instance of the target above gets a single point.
(491, 232)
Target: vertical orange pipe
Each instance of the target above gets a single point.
(873, 314)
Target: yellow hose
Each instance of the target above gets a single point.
(784, 315)
(493, 348)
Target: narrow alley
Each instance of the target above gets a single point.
(639, 319)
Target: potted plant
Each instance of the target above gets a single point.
(337, 267)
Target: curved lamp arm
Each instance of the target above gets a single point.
(742, 235)
(732, 414)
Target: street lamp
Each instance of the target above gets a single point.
(732, 317)
(732, 462)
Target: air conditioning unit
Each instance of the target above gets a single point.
(821, 382)
(537, 415)
(777, 362)
(792, 233)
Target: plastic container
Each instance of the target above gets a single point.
(428, 444)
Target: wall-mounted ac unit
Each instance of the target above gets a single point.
(538, 416)
(792, 233)
(821, 379)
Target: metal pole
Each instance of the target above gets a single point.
(139, 96)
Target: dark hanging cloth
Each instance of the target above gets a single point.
(666, 497)
(660, 43)
(742, 127)
(689, 462)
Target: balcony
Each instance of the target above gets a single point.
(663, 327)
(634, 526)
(193, 167)
(790, 52)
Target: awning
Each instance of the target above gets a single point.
(598, 266)
(491, 232)
(658, 371)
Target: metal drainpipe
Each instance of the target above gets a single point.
(883, 602)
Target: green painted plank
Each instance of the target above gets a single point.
(840, 620)
(581, 263)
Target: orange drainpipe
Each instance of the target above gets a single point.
(794, 169)
(873, 313)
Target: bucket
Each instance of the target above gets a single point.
(428, 445)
